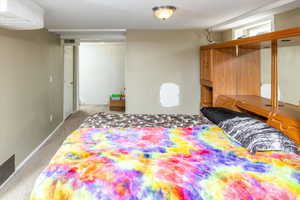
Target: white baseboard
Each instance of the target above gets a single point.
(22, 164)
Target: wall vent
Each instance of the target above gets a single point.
(69, 41)
(7, 169)
(21, 15)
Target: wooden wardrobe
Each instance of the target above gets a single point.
(231, 78)
(229, 71)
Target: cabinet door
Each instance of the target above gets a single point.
(206, 67)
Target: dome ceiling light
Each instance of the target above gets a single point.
(164, 12)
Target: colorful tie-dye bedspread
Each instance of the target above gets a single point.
(157, 163)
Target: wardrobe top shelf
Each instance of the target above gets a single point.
(256, 39)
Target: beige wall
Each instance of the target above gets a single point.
(157, 57)
(287, 19)
(27, 100)
(227, 35)
(288, 73)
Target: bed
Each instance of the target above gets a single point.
(109, 120)
(156, 163)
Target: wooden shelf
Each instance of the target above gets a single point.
(234, 66)
(256, 39)
(228, 74)
(254, 104)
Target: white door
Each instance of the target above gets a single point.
(68, 80)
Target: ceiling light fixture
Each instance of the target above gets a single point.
(164, 12)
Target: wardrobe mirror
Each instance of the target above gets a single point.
(289, 70)
(265, 69)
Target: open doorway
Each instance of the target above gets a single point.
(101, 75)
(68, 80)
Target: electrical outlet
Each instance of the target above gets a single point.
(51, 118)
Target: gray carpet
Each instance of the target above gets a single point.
(21, 184)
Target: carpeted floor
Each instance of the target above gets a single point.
(20, 185)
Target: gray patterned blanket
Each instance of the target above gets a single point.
(107, 120)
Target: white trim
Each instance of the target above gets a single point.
(101, 43)
(76, 68)
(64, 92)
(87, 30)
(27, 159)
(74, 111)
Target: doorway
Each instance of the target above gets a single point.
(68, 80)
(101, 74)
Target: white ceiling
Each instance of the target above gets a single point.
(258, 14)
(137, 14)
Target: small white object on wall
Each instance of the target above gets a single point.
(21, 15)
(169, 95)
(50, 79)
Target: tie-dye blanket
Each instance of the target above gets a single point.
(158, 163)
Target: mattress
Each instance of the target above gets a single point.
(198, 163)
(106, 120)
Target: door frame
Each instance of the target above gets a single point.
(74, 78)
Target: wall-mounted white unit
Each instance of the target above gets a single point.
(21, 15)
